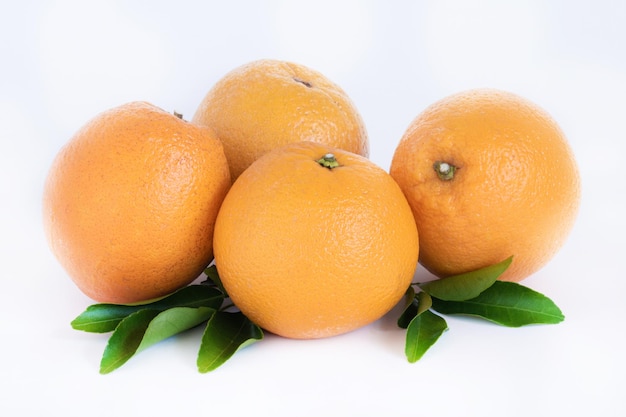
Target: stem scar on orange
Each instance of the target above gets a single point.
(130, 203)
(314, 241)
(488, 175)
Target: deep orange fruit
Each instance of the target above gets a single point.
(488, 175)
(130, 203)
(314, 241)
(268, 103)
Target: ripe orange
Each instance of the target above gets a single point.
(309, 251)
(130, 203)
(269, 103)
(488, 175)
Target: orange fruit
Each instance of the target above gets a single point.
(130, 202)
(268, 103)
(309, 251)
(488, 175)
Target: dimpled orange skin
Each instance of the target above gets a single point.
(268, 103)
(516, 190)
(130, 203)
(308, 252)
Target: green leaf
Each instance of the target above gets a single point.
(125, 340)
(409, 295)
(506, 303)
(146, 327)
(213, 276)
(466, 286)
(422, 332)
(102, 318)
(410, 308)
(191, 296)
(424, 302)
(174, 321)
(225, 333)
(419, 303)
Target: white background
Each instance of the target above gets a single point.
(65, 61)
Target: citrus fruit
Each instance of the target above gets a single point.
(313, 241)
(130, 203)
(488, 175)
(268, 103)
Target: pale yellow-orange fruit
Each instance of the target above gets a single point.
(130, 203)
(309, 251)
(488, 175)
(268, 103)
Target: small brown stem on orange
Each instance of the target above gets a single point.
(177, 114)
(306, 83)
(445, 171)
(328, 161)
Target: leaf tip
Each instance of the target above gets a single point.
(507, 262)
